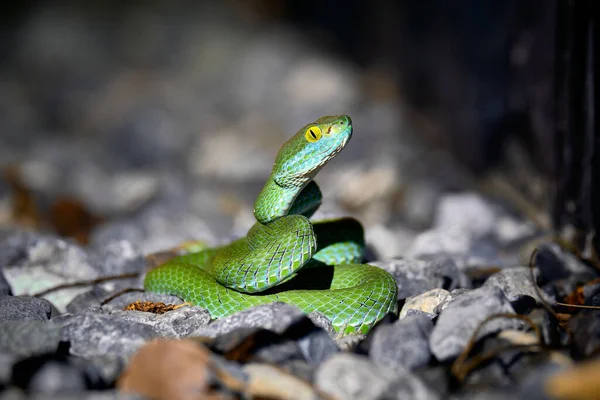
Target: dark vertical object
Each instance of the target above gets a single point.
(576, 130)
(595, 109)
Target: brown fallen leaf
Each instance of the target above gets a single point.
(24, 210)
(153, 307)
(174, 370)
(578, 383)
(70, 218)
(576, 297)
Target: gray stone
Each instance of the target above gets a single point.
(117, 257)
(408, 386)
(425, 302)
(591, 294)
(450, 241)
(24, 307)
(26, 338)
(278, 353)
(350, 342)
(517, 285)
(317, 347)
(585, 328)
(415, 277)
(5, 289)
(6, 362)
(173, 324)
(351, 376)
(276, 317)
(458, 321)
(554, 263)
(40, 262)
(452, 295)
(320, 320)
(404, 343)
(57, 378)
(160, 226)
(97, 335)
(468, 212)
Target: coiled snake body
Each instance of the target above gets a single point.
(284, 257)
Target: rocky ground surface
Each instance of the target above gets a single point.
(128, 156)
(69, 343)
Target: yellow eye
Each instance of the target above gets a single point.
(313, 134)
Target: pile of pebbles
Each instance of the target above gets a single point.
(453, 277)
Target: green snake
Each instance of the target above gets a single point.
(284, 257)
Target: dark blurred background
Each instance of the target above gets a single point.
(110, 109)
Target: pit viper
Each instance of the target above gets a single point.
(285, 257)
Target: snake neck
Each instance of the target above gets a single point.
(274, 201)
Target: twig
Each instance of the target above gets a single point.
(114, 296)
(85, 283)
(460, 368)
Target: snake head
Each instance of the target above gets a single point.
(305, 153)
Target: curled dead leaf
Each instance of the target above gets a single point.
(152, 307)
(175, 370)
(578, 383)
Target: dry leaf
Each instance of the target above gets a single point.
(578, 383)
(170, 370)
(151, 306)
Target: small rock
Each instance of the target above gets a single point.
(452, 295)
(173, 324)
(351, 376)
(386, 242)
(591, 293)
(509, 230)
(457, 322)
(53, 374)
(350, 342)
(518, 287)
(26, 338)
(5, 289)
(24, 308)
(449, 241)
(268, 381)
(162, 225)
(276, 317)
(278, 353)
(425, 302)
(468, 212)
(586, 334)
(317, 347)
(300, 369)
(408, 386)
(41, 262)
(320, 320)
(415, 277)
(402, 344)
(117, 257)
(554, 263)
(96, 335)
(6, 362)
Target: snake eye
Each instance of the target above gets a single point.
(313, 134)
